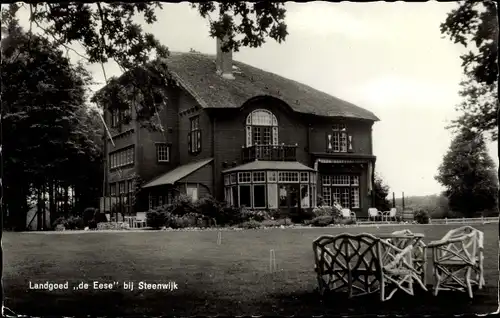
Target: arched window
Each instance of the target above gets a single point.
(261, 128)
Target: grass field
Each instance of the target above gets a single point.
(230, 279)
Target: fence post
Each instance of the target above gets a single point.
(430, 220)
(445, 220)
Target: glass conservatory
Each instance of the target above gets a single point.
(282, 185)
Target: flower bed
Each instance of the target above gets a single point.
(112, 226)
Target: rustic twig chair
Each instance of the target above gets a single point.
(373, 213)
(456, 257)
(363, 264)
(402, 239)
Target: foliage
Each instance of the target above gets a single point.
(88, 215)
(71, 223)
(49, 129)
(475, 23)
(323, 211)
(211, 208)
(437, 205)
(324, 220)
(381, 192)
(421, 217)
(251, 224)
(468, 174)
(276, 223)
(107, 31)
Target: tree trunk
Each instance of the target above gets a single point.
(52, 207)
(38, 208)
(66, 205)
(44, 206)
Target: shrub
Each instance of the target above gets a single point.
(323, 211)
(99, 217)
(324, 220)
(276, 223)
(210, 207)
(252, 224)
(156, 218)
(59, 221)
(421, 216)
(88, 215)
(71, 223)
(345, 221)
(182, 205)
(229, 215)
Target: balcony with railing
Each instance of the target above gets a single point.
(270, 152)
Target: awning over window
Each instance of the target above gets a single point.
(270, 165)
(178, 173)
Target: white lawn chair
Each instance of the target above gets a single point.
(140, 220)
(348, 214)
(373, 213)
(391, 214)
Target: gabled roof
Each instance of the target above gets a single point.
(178, 173)
(196, 72)
(270, 165)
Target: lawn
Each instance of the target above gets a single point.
(227, 279)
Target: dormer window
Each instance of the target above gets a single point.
(261, 128)
(338, 139)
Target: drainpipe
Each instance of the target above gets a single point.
(214, 162)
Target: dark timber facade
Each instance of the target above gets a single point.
(246, 137)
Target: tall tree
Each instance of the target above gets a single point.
(469, 176)
(107, 31)
(381, 190)
(474, 24)
(45, 132)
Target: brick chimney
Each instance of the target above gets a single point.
(224, 61)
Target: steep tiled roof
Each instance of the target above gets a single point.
(197, 74)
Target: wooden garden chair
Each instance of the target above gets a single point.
(373, 213)
(348, 214)
(140, 220)
(458, 260)
(363, 264)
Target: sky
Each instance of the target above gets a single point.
(389, 58)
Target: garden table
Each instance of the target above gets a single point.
(404, 238)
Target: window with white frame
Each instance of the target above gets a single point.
(122, 157)
(233, 178)
(338, 140)
(272, 176)
(288, 176)
(162, 152)
(342, 189)
(259, 176)
(192, 192)
(304, 177)
(244, 177)
(194, 135)
(261, 128)
(269, 189)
